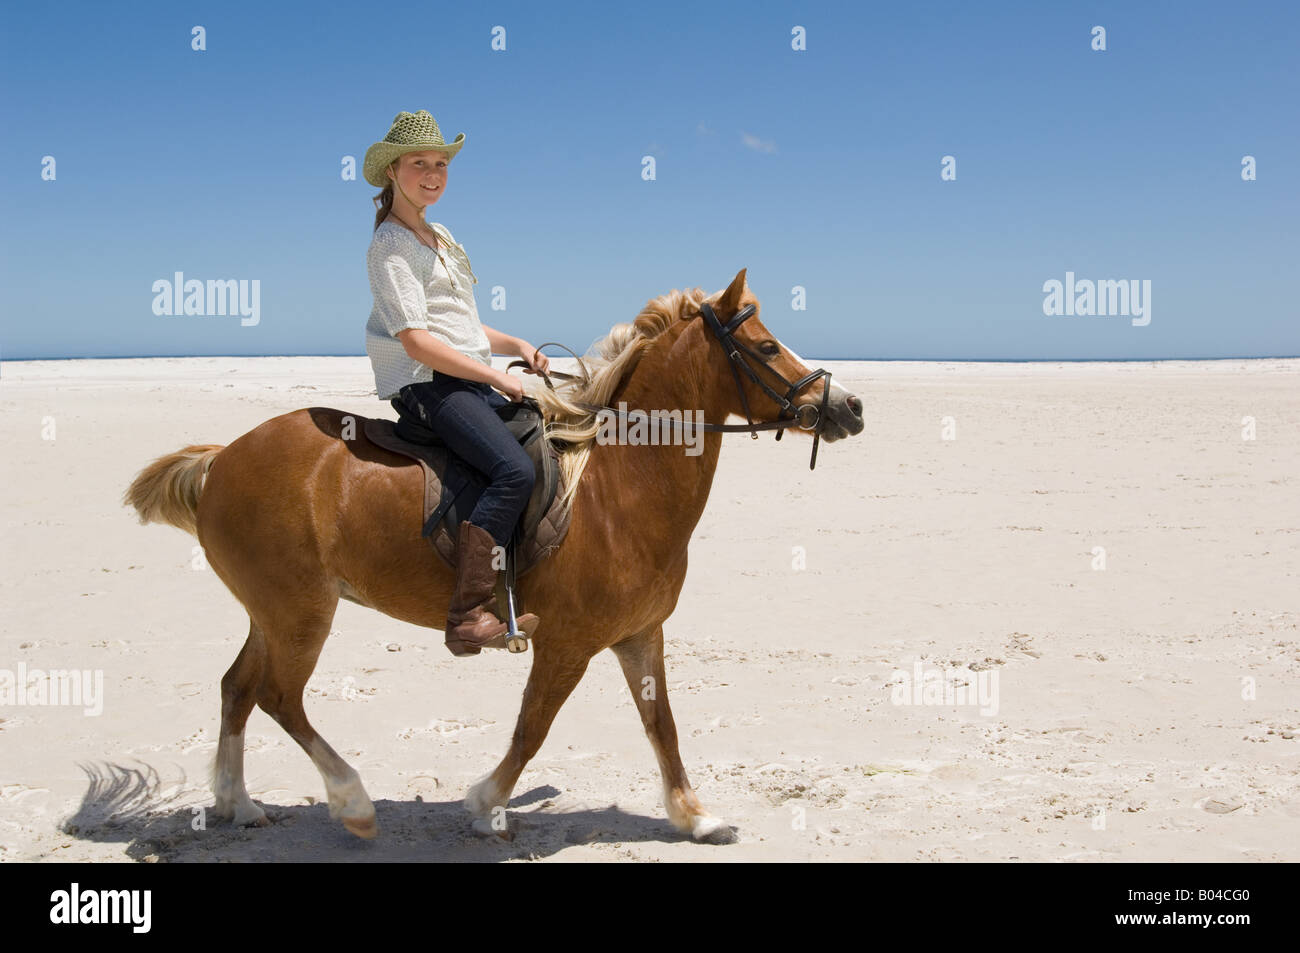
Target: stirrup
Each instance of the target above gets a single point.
(515, 637)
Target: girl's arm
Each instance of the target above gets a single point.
(428, 350)
(502, 343)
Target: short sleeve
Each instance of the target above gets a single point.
(399, 295)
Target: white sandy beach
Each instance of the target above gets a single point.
(1145, 711)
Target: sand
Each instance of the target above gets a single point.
(1144, 711)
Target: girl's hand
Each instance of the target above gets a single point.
(535, 365)
(512, 387)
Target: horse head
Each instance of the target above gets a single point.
(771, 381)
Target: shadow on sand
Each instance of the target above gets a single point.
(124, 805)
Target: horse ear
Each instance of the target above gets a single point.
(729, 303)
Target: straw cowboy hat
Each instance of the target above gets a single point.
(410, 132)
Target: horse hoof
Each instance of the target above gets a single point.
(713, 830)
(364, 827)
(483, 827)
(252, 816)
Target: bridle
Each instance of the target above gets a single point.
(791, 415)
(726, 336)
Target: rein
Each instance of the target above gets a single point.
(791, 415)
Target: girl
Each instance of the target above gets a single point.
(428, 348)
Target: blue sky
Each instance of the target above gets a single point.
(818, 169)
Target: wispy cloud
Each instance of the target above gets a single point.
(703, 128)
(757, 144)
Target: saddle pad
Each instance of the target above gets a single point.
(451, 488)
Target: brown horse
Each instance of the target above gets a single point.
(295, 515)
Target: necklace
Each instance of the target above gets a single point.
(420, 238)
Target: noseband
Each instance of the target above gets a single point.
(792, 415)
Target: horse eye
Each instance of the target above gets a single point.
(770, 348)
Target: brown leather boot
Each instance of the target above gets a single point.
(469, 625)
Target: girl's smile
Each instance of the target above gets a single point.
(423, 175)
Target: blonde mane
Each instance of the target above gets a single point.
(609, 361)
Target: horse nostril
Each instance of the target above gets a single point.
(855, 405)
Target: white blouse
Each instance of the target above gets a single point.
(413, 288)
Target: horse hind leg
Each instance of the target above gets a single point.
(642, 659)
(292, 651)
(238, 695)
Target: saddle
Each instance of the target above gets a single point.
(452, 487)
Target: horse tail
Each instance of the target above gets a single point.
(167, 490)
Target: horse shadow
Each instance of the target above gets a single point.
(125, 805)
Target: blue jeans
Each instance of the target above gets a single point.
(461, 413)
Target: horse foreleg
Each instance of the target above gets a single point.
(642, 658)
(553, 677)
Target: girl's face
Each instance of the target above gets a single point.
(423, 175)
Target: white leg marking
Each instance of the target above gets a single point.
(712, 830)
(232, 798)
(678, 818)
(487, 802)
(483, 796)
(347, 798)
